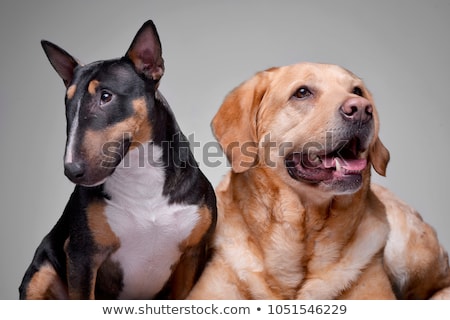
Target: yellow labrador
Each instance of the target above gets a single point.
(298, 216)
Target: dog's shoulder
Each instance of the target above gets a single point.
(413, 251)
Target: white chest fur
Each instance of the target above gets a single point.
(149, 228)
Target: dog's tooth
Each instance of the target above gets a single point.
(316, 159)
(338, 165)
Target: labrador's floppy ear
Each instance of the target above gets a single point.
(235, 124)
(379, 156)
(145, 52)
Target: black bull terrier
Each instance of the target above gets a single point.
(139, 222)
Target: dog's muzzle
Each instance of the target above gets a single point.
(340, 163)
(316, 166)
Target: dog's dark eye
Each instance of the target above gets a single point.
(303, 92)
(358, 91)
(105, 97)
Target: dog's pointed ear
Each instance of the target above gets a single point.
(235, 124)
(379, 157)
(62, 62)
(145, 52)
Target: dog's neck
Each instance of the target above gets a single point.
(274, 214)
(330, 203)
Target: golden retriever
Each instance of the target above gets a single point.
(298, 216)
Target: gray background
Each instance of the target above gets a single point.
(400, 48)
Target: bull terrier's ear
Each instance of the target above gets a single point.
(145, 52)
(62, 62)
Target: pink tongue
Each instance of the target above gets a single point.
(356, 164)
(348, 164)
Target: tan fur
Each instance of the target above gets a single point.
(71, 91)
(92, 87)
(102, 234)
(413, 254)
(46, 278)
(280, 238)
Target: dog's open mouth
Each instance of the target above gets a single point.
(345, 161)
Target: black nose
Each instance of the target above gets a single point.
(357, 109)
(74, 170)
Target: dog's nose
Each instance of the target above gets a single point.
(357, 109)
(74, 170)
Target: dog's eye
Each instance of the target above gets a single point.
(358, 91)
(303, 92)
(105, 97)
